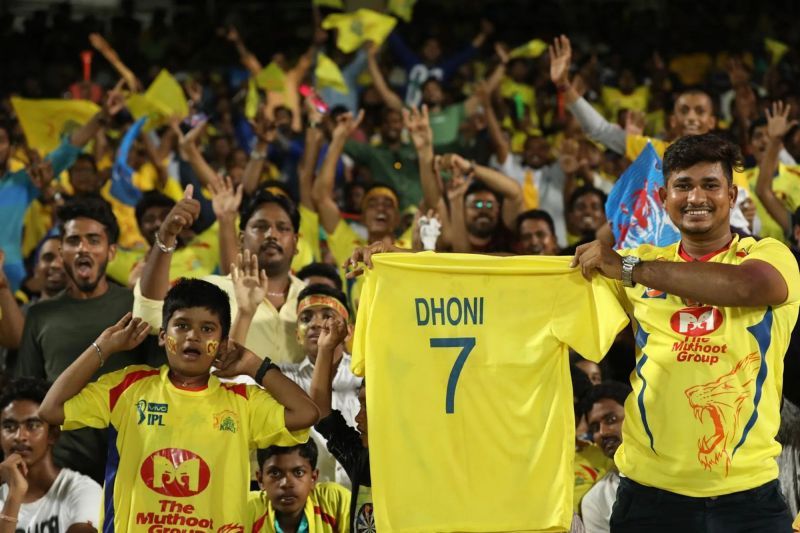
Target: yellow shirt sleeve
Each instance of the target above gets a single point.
(307, 239)
(778, 255)
(91, 406)
(634, 144)
(343, 241)
(267, 422)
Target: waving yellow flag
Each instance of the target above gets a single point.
(357, 27)
(402, 8)
(271, 78)
(329, 75)
(533, 48)
(163, 99)
(45, 121)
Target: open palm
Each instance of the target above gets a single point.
(249, 283)
(560, 58)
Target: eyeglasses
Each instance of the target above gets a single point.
(483, 204)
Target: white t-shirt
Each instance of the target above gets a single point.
(72, 499)
(597, 504)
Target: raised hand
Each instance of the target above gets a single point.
(418, 125)
(502, 53)
(560, 58)
(226, 198)
(123, 336)
(41, 174)
(363, 254)
(14, 473)
(263, 127)
(181, 216)
(778, 123)
(115, 100)
(346, 124)
(634, 122)
(250, 285)
(334, 332)
(233, 360)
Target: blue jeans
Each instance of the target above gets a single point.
(641, 509)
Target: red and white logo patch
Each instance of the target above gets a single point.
(696, 321)
(175, 472)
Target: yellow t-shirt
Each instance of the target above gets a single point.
(481, 387)
(591, 464)
(705, 407)
(614, 100)
(786, 186)
(175, 454)
(327, 510)
(307, 239)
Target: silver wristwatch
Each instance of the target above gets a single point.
(628, 264)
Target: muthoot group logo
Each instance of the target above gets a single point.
(175, 472)
(696, 321)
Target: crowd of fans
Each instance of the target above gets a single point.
(506, 153)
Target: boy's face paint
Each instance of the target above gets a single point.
(171, 344)
(302, 329)
(212, 347)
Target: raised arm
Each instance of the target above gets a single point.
(502, 148)
(389, 97)
(308, 164)
(322, 191)
(152, 155)
(501, 184)
(188, 145)
(112, 105)
(778, 125)
(266, 133)
(125, 335)
(418, 125)
(248, 59)
(155, 274)
(102, 46)
(593, 124)
(225, 202)
(471, 103)
(329, 354)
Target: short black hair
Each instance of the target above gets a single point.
(265, 197)
(151, 199)
(191, 292)
(32, 389)
(479, 186)
(323, 270)
(93, 207)
(83, 156)
(582, 191)
(325, 290)
(307, 450)
(706, 148)
(757, 123)
(536, 214)
(613, 390)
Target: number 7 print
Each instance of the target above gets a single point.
(466, 344)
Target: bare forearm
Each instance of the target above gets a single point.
(10, 509)
(155, 274)
(241, 326)
(252, 171)
(68, 384)
(228, 243)
(85, 133)
(713, 283)
(387, 94)
(321, 387)
(200, 166)
(322, 190)
(430, 187)
(766, 171)
(308, 165)
(13, 321)
(501, 149)
(499, 182)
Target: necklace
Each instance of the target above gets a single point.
(275, 293)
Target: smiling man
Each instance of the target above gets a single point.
(712, 315)
(58, 329)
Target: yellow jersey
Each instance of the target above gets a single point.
(480, 387)
(591, 464)
(175, 454)
(705, 407)
(614, 100)
(786, 185)
(327, 510)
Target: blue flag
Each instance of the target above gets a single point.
(122, 187)
(634, 208)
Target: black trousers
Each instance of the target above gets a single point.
(640, 509)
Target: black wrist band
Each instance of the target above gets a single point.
(265, 367)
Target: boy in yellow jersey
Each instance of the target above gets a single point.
(179, 439)
(712, 315)
(291, 500)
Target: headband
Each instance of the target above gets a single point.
(277, 191)
(380, 191)
(321, 300)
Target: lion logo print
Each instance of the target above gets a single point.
(717, 406)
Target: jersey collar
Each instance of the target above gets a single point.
(689, 259)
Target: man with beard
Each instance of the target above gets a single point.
(536, 234)
(268, 233)
(604, 409)
(59, 329)
(196, 255)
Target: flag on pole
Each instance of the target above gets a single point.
(44, 122)
(163, 99)
(328, 74)
(358, 27)
(634, 208)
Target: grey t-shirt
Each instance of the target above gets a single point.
(56, 332)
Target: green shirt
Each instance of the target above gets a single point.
(446, 125)
(398, 168)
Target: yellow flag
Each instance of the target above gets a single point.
(45, 121)
(533, 48)
(163, 99)
(251, 99)
(360, 26)
(271, 78)
(402, 8)
(329, 75)
(777, 49)
(336, 4)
